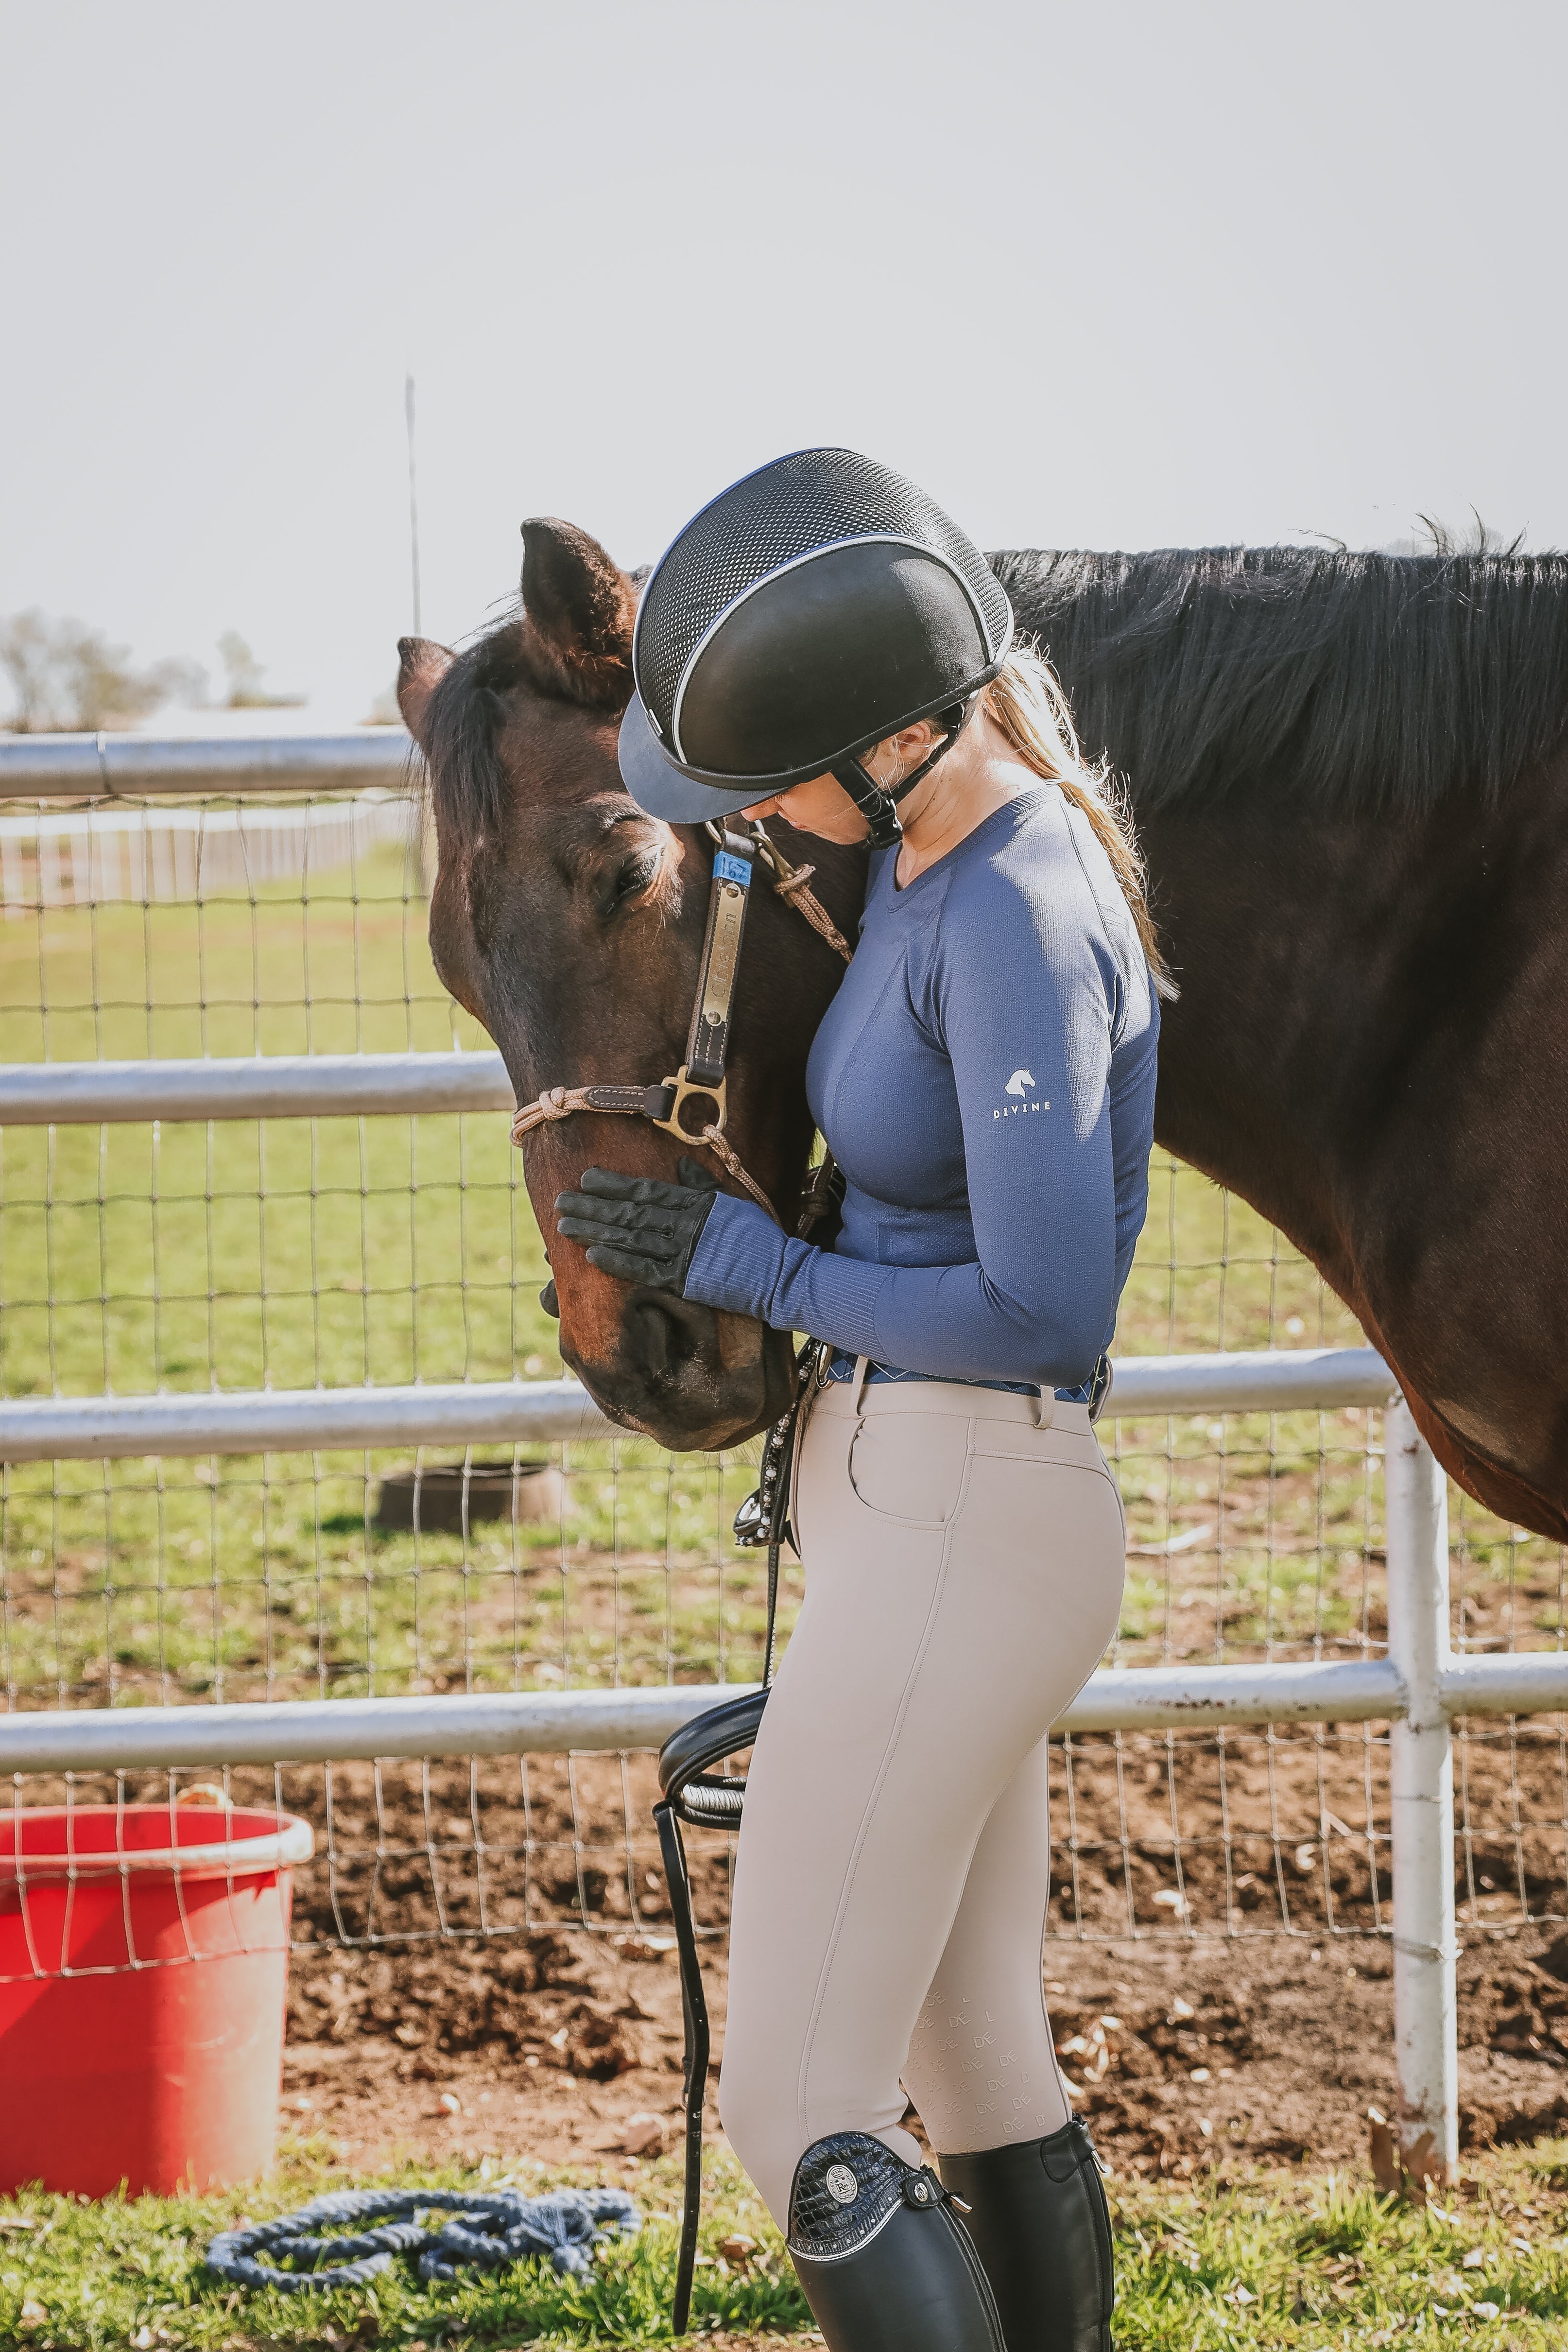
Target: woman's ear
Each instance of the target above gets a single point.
(912, 743)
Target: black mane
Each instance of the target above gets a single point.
(1379, 681)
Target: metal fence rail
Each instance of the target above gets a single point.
(263, 1086)
(509, 1413)
(73, 767)
(562, 1723)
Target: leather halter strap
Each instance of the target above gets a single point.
(708, 1040)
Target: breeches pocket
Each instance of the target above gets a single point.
(1054, 1476)
(913, 1466)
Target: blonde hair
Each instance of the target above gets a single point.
(1026, 700)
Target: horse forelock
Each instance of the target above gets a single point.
(1364, 680)
(474, 701)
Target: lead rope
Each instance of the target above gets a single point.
(764, 1516)
(790, 884)
(489, 2229)
(762, 1519)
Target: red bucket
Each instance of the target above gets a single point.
(143, 1971)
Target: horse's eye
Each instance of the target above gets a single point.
(635, 876)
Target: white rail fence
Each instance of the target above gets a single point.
(95, 855)
(1419, 1686)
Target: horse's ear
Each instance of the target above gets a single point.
(421, 667)
(579, 607)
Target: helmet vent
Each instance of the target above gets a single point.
(773, 518)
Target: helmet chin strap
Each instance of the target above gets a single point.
(878, 803)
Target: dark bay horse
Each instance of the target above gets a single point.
(1351, 778)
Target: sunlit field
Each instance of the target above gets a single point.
(335, 1252)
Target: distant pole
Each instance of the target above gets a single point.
(412, 497)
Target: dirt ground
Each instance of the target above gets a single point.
(1185, 2046)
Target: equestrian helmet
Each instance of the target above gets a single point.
(806, 613)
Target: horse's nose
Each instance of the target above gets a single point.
(688, 1377)
(671, 1340)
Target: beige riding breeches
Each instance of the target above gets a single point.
(964, 1568)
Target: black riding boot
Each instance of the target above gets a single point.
(1039, 2220)
(886, 2264)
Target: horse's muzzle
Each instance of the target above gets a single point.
(690, 1378)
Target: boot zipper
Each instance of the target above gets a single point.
(976, 2269)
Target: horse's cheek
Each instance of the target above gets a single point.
(592, 1306)
(452, 946)
(741, 1343)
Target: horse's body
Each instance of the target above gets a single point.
(1351, 775)
(1352, 785)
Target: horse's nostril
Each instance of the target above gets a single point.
(666, 1332)
(549, 1301)
(686, 1376)
(654, 1332)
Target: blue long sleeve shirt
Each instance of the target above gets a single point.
(985, 1077)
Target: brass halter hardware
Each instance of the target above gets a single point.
(685, 1086)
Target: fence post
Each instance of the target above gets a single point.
(1421, 1774)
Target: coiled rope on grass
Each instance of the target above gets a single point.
(487, 2232)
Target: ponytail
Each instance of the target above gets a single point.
(1027, 703)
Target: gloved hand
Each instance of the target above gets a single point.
(637, 1226)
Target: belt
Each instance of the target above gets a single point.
(1092, 1392)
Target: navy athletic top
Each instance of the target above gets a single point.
(985, 1077)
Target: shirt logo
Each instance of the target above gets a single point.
(1020, 1085)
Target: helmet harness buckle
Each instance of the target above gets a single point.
(878, 803)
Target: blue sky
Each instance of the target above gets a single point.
(1134, 274)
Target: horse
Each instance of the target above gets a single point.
(1350, 775)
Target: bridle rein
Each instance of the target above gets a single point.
(702, 1073)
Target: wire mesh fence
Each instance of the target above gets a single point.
(341, 1251)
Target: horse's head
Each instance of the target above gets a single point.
(571, 925)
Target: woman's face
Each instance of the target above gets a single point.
(821, 805)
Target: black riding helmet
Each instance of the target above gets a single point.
(808, 612)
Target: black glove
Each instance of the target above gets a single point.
(638, 1227)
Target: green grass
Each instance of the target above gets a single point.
(1264, 2259)
(105, 2272)
(340, 1251)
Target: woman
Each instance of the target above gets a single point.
(822, 641)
